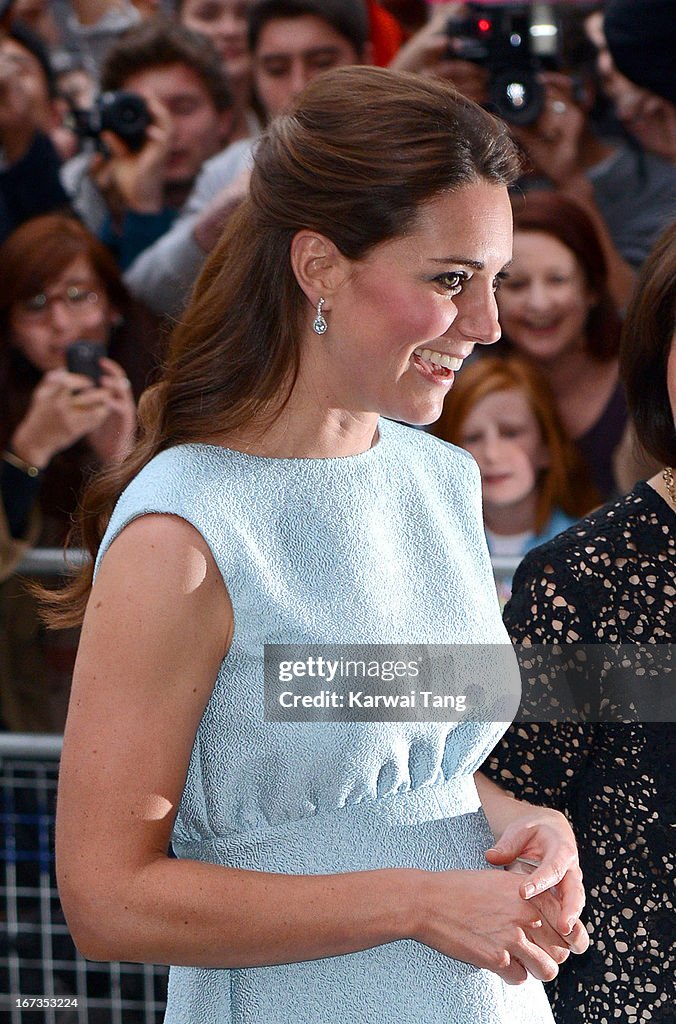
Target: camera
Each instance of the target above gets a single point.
(124, 113)
(514, 42)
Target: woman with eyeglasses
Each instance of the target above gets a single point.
(58, 285)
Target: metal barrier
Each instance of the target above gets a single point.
(49, 561)
(43, 979)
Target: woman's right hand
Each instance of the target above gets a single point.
(64, 407)
(480, 917)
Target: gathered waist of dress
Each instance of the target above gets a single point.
(348, 836)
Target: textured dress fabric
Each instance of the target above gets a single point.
(378, 548)
(611, 579)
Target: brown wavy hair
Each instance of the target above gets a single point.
(554, 214)
(565, 482)
(31, 259)
(356, 159)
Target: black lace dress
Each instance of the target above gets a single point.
(609, 579)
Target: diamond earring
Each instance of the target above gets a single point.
(319, 324)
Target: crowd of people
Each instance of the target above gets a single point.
(205, 275)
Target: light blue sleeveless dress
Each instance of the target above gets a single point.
(383, 547)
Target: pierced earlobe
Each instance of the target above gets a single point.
(319, 324)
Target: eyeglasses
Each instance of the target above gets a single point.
(76, 299)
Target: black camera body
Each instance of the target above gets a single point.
(124, 113)
(514, 42)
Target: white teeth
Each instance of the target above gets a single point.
(439, 358)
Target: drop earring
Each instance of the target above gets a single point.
(319, 324)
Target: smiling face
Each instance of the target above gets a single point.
(502, 433)
(76, 308)
(545, 301)
(199, 129)
(412, 305)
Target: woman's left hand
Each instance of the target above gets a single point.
(542, 839)
(114, 438)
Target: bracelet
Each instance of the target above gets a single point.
(19, 463)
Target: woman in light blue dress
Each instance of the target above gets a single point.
(327, 869)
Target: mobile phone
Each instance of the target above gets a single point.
(83, 357)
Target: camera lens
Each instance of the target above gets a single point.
(127, 115)
(516, 96)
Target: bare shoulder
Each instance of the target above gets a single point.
(164, 563)
(159, 543)
(156, 630)
(157, 627)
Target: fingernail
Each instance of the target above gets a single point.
(529, 891)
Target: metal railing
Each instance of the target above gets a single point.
(49, 561)
(43, 978)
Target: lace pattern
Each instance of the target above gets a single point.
(609, 579)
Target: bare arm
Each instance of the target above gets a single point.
(500, 807)
(158, 625)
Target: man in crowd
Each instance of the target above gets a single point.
(291, 41)
(131, 197)
(640, 36)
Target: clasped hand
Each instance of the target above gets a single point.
(510, 922)
(540, 847)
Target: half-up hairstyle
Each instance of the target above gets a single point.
(357, 158)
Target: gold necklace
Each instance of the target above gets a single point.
(668, 477)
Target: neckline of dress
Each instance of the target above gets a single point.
(368, 455)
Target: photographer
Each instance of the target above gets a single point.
(639, 39)
(129, 196)
(291, 42)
